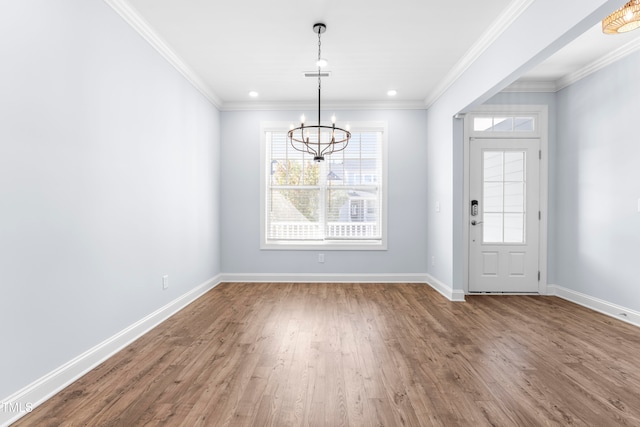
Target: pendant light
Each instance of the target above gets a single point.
(625, 19)
(319, 140)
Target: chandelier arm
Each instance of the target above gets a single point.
(308, 149)
(334, 150)
(343, 144)
(327, 150)
(312, 152)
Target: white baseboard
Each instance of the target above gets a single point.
(324, 278)
(446, 291)
(596, 304)
(23, 401)
(456, 295)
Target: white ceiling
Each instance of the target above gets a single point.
(583, 52)
(238, 46)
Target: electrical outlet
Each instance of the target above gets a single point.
(165, 282)
(321, 258)
(433, 261)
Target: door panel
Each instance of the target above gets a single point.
(503, 235)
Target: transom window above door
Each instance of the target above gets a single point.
(502, 125)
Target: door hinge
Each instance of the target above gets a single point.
(538, 276)
(539, 215)
(540, 154)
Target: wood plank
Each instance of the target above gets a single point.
(342, 354)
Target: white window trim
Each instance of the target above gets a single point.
(361, 245)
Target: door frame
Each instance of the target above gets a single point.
(541, 132)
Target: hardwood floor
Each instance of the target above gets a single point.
(363, 355)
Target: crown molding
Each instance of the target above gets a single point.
(508, 16)
(502, 22)
(311, 105)
(614, 56)
(132, 17)
(574, 77)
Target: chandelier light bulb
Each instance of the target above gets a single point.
(333, 119)
(322, 62)
(302, 119)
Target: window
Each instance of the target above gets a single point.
(335, 204)
(484, 124)
(503, 196)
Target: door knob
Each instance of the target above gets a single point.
(474, 222)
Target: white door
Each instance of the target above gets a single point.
(504, 215)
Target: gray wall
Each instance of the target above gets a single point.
(240, 203)
(108, 180)
(598, 185)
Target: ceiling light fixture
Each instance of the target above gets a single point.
(253, 94)
(625, 19)
(392, 92)
(319, 140)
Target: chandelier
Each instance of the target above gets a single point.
(319, 140)
(625, 19)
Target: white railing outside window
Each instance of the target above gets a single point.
(310, 231)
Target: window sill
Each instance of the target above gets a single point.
(325, 246)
